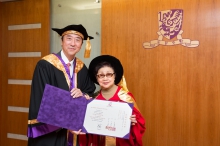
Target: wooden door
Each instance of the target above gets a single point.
(24, 40)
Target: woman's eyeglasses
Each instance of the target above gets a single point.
(108, 75)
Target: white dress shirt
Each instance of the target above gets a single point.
(65, 59)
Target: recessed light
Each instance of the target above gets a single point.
(97, 1)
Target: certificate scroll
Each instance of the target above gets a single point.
(108, 118)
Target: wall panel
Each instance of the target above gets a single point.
(1, 63)
(177, 88)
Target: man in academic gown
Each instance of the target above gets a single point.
(63, 70)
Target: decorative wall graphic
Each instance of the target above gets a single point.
(170, 26)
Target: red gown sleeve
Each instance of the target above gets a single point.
(136, 133)
(137, 130)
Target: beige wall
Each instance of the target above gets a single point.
(177, 88)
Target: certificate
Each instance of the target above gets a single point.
(108, 118)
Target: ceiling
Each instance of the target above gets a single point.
(78, 4)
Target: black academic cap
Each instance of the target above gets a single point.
(114, 62)
(78, 28)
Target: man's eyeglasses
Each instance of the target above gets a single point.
(108, 75)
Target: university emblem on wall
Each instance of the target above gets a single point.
(170, 26)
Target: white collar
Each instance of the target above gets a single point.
(65, 59)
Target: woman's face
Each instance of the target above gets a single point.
(106, 77)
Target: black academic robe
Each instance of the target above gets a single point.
(50, 70)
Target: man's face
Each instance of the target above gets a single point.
(71, 45)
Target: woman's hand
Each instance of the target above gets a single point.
(87, 96)
(133, 119)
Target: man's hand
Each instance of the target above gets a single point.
(77, 132)
(75, 92)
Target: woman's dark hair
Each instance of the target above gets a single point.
(100, 65)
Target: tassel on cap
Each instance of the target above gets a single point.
(88, 49)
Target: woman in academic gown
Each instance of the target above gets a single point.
(107, 72)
